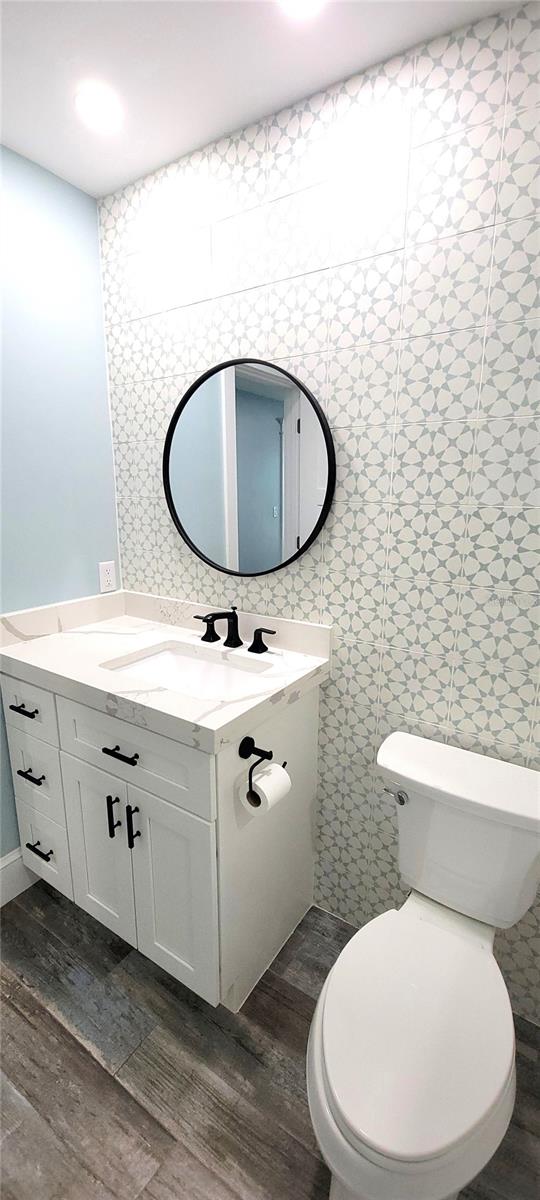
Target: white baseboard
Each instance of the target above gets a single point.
(14, 876)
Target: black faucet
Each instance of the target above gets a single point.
(233, 638)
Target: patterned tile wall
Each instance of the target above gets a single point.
(379, 240)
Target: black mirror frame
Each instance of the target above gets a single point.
(330, 487)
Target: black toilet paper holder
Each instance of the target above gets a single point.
(246, 748)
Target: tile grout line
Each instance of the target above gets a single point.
(412, 110)
(436, 332)
(481, 379)
(334, 266)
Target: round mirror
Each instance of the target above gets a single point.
(249, 467)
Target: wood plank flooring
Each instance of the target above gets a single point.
(120, 1083)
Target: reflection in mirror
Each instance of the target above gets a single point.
(249, 467)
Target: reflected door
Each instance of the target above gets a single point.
(259, 436)
(313, 470)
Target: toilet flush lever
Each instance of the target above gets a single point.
(400, 796)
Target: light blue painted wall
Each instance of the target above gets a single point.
(57, 490)
(196, 470)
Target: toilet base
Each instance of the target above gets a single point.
(338, 1191)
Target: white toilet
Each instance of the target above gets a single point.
(410, 1068)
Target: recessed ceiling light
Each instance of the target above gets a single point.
(301, 10)
(99, 107)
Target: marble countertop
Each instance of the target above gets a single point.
(73, 663)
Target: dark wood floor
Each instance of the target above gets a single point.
(118, 1082)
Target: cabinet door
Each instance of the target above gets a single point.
(100, 856)
(174, 871)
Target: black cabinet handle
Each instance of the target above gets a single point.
(129, 821)
(31, 778)
(23, 711)
(40, 853)
(110, 815)
(115, 753)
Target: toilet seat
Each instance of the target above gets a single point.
(417, 1035)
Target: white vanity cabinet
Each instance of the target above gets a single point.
(149, 835)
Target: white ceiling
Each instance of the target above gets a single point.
(188, 71)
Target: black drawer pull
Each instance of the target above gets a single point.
(23, 712)
(129, 821)
(115, 753)
(110, 815)
(40, 853)
(31, 778)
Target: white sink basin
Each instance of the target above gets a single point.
(205, 674)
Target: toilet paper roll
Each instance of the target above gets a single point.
(270, 785)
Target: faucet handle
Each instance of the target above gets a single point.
(257, 645)
(210, 634)
(233, 639)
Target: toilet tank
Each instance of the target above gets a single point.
(469, 827)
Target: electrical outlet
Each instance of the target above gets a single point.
(107, 577)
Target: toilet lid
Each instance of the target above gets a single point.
(418, 1037)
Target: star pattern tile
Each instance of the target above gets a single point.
(378, 240)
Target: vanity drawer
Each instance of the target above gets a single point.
(49, 839)
(36, 773)
(178, 773)
(29, 709)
